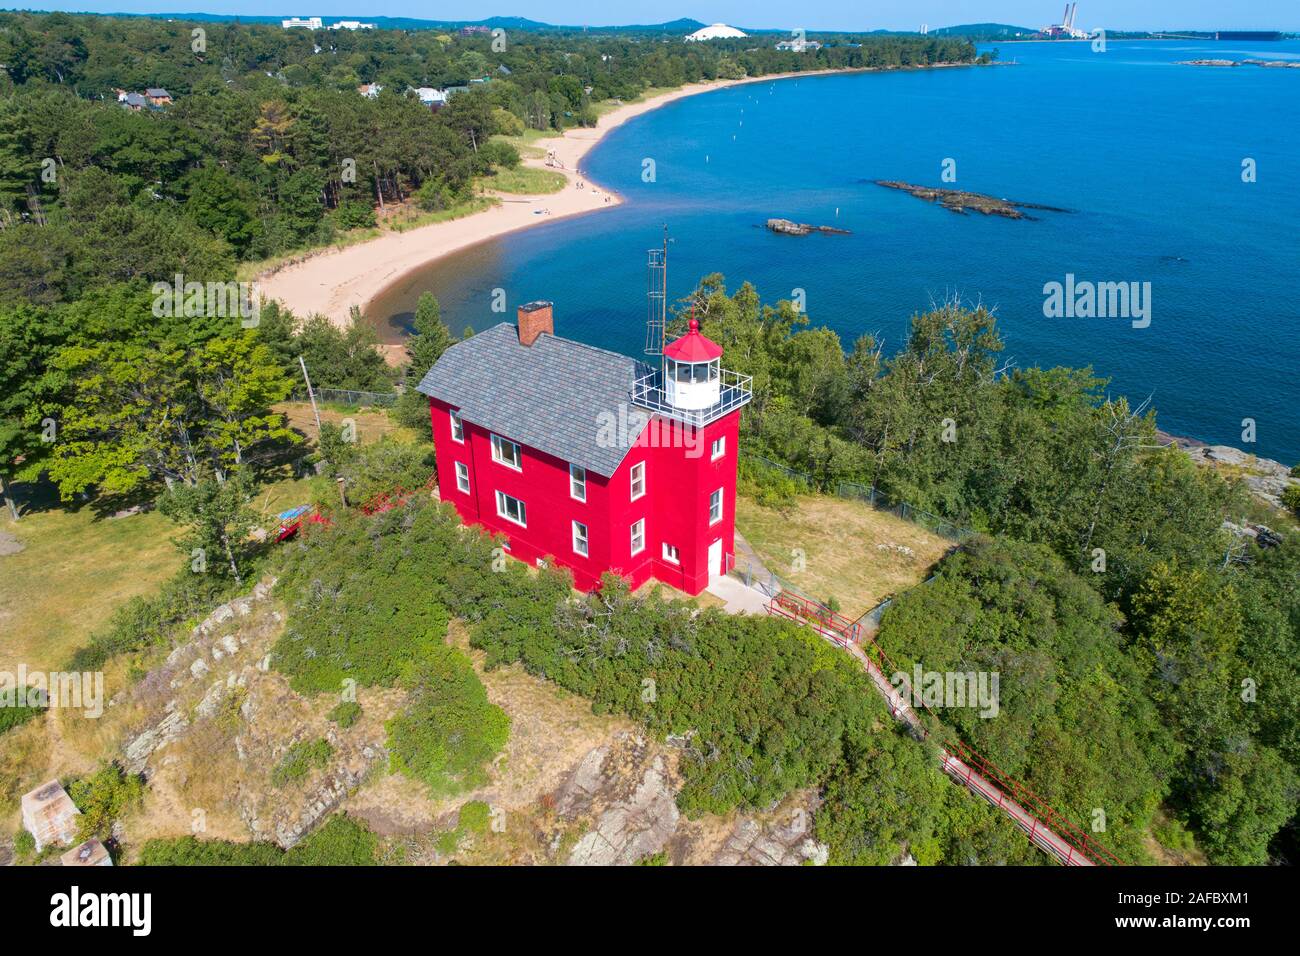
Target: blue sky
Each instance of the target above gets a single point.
(814, 15)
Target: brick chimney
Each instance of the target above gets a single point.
(534, 319)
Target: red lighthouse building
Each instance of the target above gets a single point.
(589, 458)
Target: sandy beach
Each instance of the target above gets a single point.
(331, 281)
(334, 280)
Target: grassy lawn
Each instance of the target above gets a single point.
(76, 567)
(850, 550)
(75, 570)
(525, 181)
(372, 423)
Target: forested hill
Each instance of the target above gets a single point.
(680, 27)
(266, 145)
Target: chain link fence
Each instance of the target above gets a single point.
(347, 396)
(872, 496)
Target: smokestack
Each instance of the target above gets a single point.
(1074, 8)
(1065, 17)
(534, 319)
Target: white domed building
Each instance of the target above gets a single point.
(716, 31)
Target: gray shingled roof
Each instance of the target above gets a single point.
(549, 395)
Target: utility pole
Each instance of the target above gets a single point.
(311, 395)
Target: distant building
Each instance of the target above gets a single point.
(351, 25)
(311, 23)
(154, 98)
(798, 46)
(470, 31)
(716, 31)
(49, 815)
(1065, 30)
(90, 853)
(370, 90)
(433, 98)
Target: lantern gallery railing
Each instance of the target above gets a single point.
(734, 391)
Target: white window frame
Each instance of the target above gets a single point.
(719, 448)
(582, 539)
(457, 427)
(577, 477)
(497, 444)
(719, 501)
(632, 476)
(503, 512)
(462, 477)
(637, 531)
(671, 554)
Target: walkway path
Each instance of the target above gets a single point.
(743, 599)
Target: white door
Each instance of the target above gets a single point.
(715, 559)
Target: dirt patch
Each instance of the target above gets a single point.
(837, 547)
(9, 544)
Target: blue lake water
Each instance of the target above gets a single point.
(1146, 153)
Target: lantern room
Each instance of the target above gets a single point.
(693, 371)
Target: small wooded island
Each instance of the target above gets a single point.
(959, 201)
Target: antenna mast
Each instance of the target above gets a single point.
(657, 298)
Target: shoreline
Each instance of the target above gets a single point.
(332, 280)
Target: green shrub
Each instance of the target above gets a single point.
(450, 730)
(1291, 499)
(102, 798)
(345, 714)
(475, 817)
(24, 846)
(11, 715)
(1171, 834)
(341, 841)
(300, 760)
(499, 153)
(354, 215)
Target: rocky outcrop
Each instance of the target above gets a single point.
(788, 227)
(1265, 478)
(959, 201)
(1269, 64)
(778, 844)
(635, 828)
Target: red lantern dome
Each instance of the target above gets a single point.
(693, 347)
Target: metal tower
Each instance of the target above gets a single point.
(656, 298)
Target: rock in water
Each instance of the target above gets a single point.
(788, 227)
